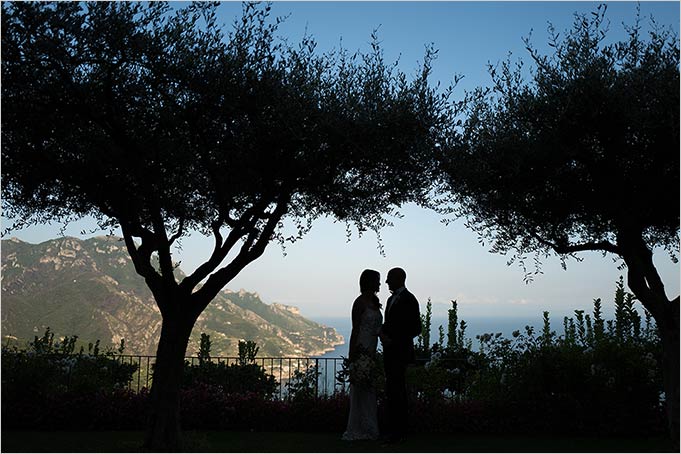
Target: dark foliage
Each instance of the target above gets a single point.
(156, 120)
(244, 376)
(232, 378)
(583, 151)
(47, 367)
(599, 377)
(582, 157)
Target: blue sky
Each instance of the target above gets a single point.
(319, 274)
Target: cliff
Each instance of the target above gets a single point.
(90, 288)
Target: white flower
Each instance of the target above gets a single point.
(434, 360)
(363, 370)
(456, 371)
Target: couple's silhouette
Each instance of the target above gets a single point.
(402, 323)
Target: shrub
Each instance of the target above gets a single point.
(599, 376)
(48, 367)
(303, 385)
(243, 377)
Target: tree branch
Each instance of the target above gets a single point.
(637, 283)
(246, 255)
(652, 277)
(240, 227)
(220, 251)
(163, 247)
(592, 246)
(250, 239)
(272, 221)
(642, 276)
(179, 233)
(141, 257)
(572, 248)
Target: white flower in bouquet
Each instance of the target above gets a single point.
(364, 370)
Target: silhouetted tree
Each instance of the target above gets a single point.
(155, 120)
(584, 157)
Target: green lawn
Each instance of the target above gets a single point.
(321, 442)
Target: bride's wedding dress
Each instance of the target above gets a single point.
(363, 419)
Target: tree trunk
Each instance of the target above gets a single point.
(645, 282)
(163, 430)
(669, 332)
(668, 328)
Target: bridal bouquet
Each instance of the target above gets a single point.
(364, 370)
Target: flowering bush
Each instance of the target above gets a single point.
(119, 409)
(203, 408)
(47, 367)
(365, 370)
(599, 376)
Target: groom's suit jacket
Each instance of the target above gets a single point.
(402, 322)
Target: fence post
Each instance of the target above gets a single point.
(316, 378)
(139, 372)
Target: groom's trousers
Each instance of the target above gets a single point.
(396, 397)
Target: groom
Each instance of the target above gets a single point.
(402, 323)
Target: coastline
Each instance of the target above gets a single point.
(342, 326)
(340, 338)
(332, 348)
(475, 325)
(319, 354)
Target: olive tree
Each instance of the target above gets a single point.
(157, 120)
(582, 157)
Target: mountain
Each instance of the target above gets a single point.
(90, 288)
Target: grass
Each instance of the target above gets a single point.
(207, 441)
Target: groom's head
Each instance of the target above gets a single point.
(396, 279)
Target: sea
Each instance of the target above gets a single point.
(475, 326)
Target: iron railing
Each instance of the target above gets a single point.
(282, 368)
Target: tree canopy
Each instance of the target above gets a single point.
(584, 151)
(158, 120)
(584, 156)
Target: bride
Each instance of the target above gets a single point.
(366, 323)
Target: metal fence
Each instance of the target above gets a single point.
(282, 368)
